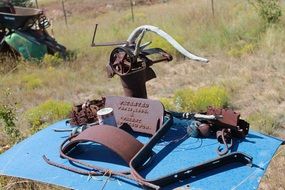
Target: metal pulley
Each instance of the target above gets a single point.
(124, 62)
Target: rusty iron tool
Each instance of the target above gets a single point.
(224, 123)
(86, 113)
(193, 171)
(137, 162)
(101, 134)
(132, 60)
(224, 137)
(122, 143)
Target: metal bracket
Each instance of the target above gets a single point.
(141, 158)
(235, 157)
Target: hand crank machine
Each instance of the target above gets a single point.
(131, 59)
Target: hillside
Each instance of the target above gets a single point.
(247, 58)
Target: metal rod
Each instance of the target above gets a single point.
(110, 44)
(93, 44)
(64, 12)
(94, 34)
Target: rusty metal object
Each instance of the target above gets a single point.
(131, 60)
(86, 113)
(193, 171)
(96, 170)
(230, 119)
(141, 157)
(136, 36)
(204, 129)
(224, 123)
(122, 143)
(125, 61)
(142, 115)
(137, 162)
(134, 85)
(225, 138)
(134, 70)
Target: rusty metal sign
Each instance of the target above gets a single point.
(143, 115)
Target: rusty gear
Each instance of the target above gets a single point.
(86, 113)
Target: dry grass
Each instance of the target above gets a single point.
(11, 183)
(274, 175)
(245, 58)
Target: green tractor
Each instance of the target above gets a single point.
(23, 33)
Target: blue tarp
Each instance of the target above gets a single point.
(176, 151)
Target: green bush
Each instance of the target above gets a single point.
(167, 103)
(32, 82)
(8, 117)
(49, 111)
(53, 60)
(263, 122)
(199, 100)
(239, 51)
(269, 10)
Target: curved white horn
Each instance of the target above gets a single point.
(135, 34)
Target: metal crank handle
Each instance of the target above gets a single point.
(137, 33)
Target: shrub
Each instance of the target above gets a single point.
(167, 103)
(8, 118)
(32, 82)
(269, 10)
(196, 101)
(49, 111)
(239, 51)
(53, 60)
(263, 122)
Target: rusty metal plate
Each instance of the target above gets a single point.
(122, 143)
(143, 115)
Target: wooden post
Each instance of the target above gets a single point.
(64, 12)
(213, 8)
(37, 5)
(132, 10)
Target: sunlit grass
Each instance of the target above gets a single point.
(246, 58)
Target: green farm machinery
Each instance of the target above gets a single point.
(23, 33)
